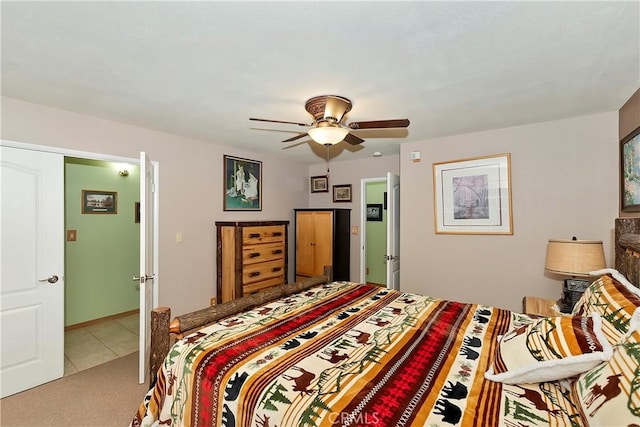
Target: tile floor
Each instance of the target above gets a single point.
(93, 345)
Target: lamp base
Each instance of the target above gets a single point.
(572, 290)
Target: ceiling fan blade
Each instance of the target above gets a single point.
(298, 136)
(352, 139)
(377, 124)
(279, 121)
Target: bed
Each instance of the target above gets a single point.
(324, 353)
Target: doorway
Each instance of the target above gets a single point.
(375, 232)
(380, 230)
(103, 245)
(36, 272)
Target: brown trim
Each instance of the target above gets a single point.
(102, 319)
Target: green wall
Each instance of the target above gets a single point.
(376, 235)
(100, 264)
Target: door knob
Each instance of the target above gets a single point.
(143, 279)
(50, 279)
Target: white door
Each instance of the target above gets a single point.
(32, 278)
(393, 231)
(147, 260)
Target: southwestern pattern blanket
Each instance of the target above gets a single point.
(349, 354)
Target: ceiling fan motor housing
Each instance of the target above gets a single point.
(328, 108)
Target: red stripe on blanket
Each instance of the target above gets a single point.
(389, 396)
(212, 367)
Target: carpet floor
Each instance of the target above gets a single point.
(107, 395)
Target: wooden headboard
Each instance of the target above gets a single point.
(627, 248)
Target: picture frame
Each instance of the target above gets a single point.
(99, 202)
(374, 211)
(473, 196)
(630, 172)
(242, 184)
(320, 184)
(342, 193)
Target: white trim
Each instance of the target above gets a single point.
(69, 153)
(156, 232)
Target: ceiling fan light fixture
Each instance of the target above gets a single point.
(328, 134)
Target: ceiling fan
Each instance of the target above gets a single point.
(328, 127)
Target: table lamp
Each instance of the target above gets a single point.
(574, 258)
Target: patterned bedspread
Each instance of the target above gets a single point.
(349, 354)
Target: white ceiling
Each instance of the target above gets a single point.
(201, 69)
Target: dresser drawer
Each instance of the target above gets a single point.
(265, 270)
(258, 286)
(257, 235)
(260, 253)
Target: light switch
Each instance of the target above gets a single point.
(354, 230)
(179, 237)
(72, 235)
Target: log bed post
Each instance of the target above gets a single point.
(160, 338)
(627, 246)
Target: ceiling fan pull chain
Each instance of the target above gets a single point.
(328, 147)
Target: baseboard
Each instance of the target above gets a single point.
(101, 319)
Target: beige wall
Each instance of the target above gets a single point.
(564, 184)
(564, 180)
(351, 172)
(190, 188)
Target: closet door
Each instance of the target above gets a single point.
(305, 241)
(323, 243)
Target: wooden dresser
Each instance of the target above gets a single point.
(250, 256)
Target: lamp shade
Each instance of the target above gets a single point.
(574, 257)
(328, 135)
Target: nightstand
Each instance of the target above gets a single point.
(541, 307)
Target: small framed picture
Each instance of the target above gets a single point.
(99, 202)
(320, 184)
(374, 212)
(342, 193)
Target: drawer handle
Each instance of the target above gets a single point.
(254, 274)
(274, 269)
(277, 234)
(254, 254)
(254, 235)
(277, 251)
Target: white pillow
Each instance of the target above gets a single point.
(549, 349)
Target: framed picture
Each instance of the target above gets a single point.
(320, 184)
(99, 202)
(342, 193)
(630, 172)
(374, 211)
(473, 196)
(242, 184)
